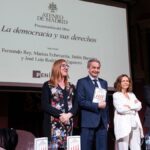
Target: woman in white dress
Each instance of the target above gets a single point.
(127, 125)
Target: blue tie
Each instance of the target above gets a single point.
(95, 83)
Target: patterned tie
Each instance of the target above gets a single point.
(95, 82)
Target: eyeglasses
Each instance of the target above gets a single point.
(65, 65)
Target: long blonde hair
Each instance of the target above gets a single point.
(56, 73)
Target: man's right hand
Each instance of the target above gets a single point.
(102, 104)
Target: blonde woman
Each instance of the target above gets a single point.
(59, 106)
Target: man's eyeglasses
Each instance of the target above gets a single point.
(65, 65)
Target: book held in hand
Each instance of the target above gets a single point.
(99, 94)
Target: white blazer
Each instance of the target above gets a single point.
(124, 116)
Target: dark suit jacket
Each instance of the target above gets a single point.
(90, 113)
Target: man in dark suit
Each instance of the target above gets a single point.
(94, 115)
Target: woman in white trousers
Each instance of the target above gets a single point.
(127, 125)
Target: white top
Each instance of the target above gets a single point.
(125, 118)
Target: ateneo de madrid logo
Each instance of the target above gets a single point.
(52, 16)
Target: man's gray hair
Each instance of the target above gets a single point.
(93, 60)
